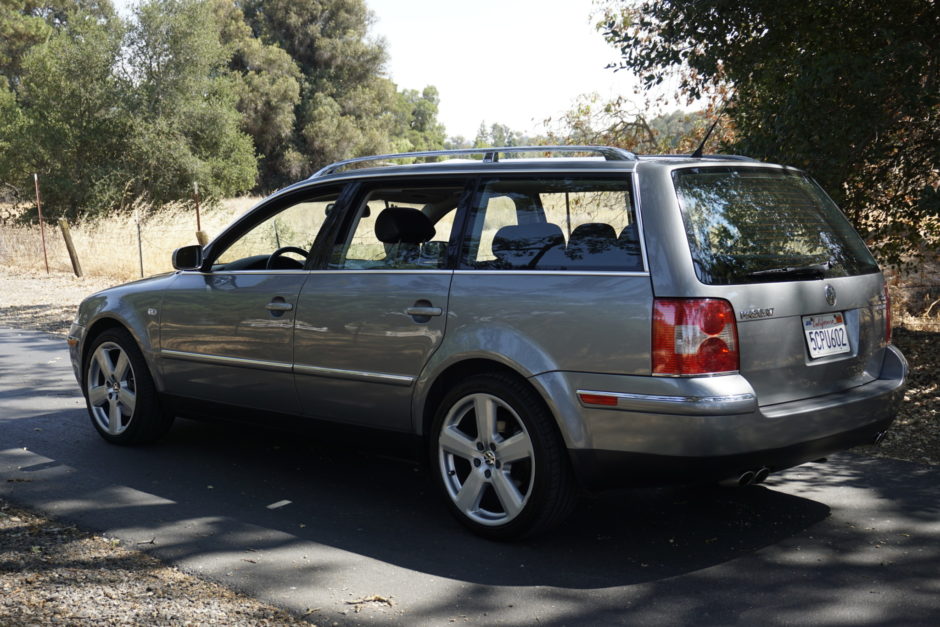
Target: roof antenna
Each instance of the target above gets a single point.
(698, 151)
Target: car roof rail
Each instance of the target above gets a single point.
(490, 155)
(710, 157)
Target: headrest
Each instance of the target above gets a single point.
(403, 225)
(521, 242)
(594, 230)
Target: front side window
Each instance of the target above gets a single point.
(399, 227)
(747, 225)
(290, 232)
(553, 223)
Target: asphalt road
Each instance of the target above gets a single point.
(309, 524)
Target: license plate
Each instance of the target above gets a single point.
(826, 335)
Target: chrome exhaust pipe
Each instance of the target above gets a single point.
(738, 482)
(760, 475)
(749, 477)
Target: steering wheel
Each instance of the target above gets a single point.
(280, 251)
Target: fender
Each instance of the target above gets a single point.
(134, 307)
(498, 343)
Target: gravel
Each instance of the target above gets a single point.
(54, 573)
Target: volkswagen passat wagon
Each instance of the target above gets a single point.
(587, 319)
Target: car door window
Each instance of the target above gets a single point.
(291, 229)
(549, 223)
(395, 228)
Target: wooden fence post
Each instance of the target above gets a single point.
(201, 236)
(42, 224)
(73, 256)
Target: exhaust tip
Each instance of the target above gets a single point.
(761, 474)
(881, 436)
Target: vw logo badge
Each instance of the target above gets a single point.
(830, 295)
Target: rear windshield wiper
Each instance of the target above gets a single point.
(814, 271)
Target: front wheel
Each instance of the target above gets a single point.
(499, 458)
(119, 392)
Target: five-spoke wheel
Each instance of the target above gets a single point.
(486, 459)
(111, 387)
(499, 458)
(119, 392)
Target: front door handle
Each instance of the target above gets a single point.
(278, 306)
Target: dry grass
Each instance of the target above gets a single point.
(108, 246)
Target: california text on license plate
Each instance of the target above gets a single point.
(825, 334)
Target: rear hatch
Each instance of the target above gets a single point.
(807, 294)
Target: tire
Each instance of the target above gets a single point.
(120, 396)
(499, 460)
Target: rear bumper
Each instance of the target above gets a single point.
(599, 470)
(652, 438)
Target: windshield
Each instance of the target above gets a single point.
(747, 225)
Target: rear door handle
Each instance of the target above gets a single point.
(424, 311)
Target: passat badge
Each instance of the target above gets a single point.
(753, 314)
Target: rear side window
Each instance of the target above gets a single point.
(749, 225)
(553, 223)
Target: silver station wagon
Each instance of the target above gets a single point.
(583, 319)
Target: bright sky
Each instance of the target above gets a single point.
(513, 62)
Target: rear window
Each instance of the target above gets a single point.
(747, 225)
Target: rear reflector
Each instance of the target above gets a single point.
(598, 399)
(694, 336)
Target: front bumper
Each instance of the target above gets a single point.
(654, 438)
(74, 340)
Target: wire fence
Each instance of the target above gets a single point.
(122, 246)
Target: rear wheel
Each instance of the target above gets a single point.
(499, 459)
(119, 392)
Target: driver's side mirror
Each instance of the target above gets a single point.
(188, 257)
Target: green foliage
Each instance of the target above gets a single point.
(11, 120)
(497, 135)
(268, 88)
(73, 113)
(347, 107)
(849, 91)
(185, 124)
(617, 122)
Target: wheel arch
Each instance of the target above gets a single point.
(454, 372)
(106, 323)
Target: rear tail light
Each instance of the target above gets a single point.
(887, 315)
(694, 336)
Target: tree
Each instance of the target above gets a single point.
(268, 88)
(348, 107)
(107, 111)
(72, 114)
(186, 126)
(498, 135)
(10, 122)
(848, 90)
